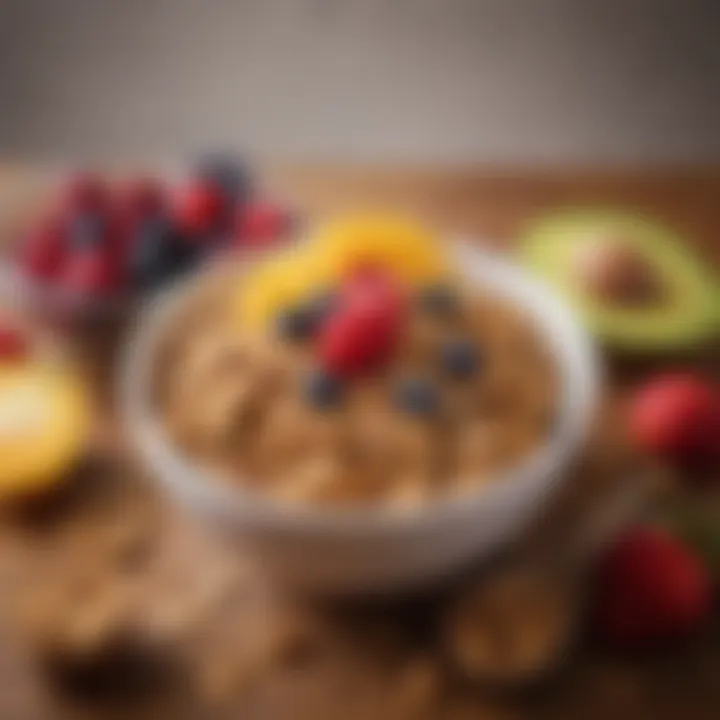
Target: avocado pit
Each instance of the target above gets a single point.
(609, 268)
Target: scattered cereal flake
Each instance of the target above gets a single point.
(317, 479)
(513, 627)
(409, 493)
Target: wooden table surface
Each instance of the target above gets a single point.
(364, 658)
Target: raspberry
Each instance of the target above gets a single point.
(363, 332)
(199, 209)
(351, 343)
(43, 251)
(91, 273)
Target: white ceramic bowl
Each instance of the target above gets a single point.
(359, 551)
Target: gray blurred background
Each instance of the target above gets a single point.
(451, 81)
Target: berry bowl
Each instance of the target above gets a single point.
(98, 245)
(364, 550)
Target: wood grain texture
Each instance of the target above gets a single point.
(240, 651)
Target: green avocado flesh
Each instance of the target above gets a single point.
(691, 311)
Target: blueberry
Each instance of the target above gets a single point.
(159, 254)
(459, 358)
(295, 324)
(417, 396)
(322, 305)
(228, 172)
(439, 300)
(323, 390)
(87, 230)
(301, 322)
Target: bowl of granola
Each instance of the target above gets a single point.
(367, 410)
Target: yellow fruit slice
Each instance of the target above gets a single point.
(44, 421)
(405, 247)
(279, 283)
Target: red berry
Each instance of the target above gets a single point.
(678, 418)
(650, 588)
(260, 223)
(372, 283)
(120, 232)
(199, 208)
(362, 334)
(85, 192)
(91, 273)
(43, 251)
(352, 343)
(13, 344)
(142, 197)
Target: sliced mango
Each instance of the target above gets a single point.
(405, 247)
(44, 422)
(281, 282)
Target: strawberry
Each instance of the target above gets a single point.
(120, 231)
(43, 250)
(260, 223)
(199, 208)
(677, 417)
(651, 588)
(362, 333)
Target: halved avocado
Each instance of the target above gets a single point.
(683, 305)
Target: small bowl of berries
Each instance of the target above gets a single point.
(98, 245)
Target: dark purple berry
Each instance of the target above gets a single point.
(417, 396)
(440, 301)
(323, 390)
(459, 358)
(295, 324)
(159, 254)
(227, 172)
(87, 230)
(322, 305)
